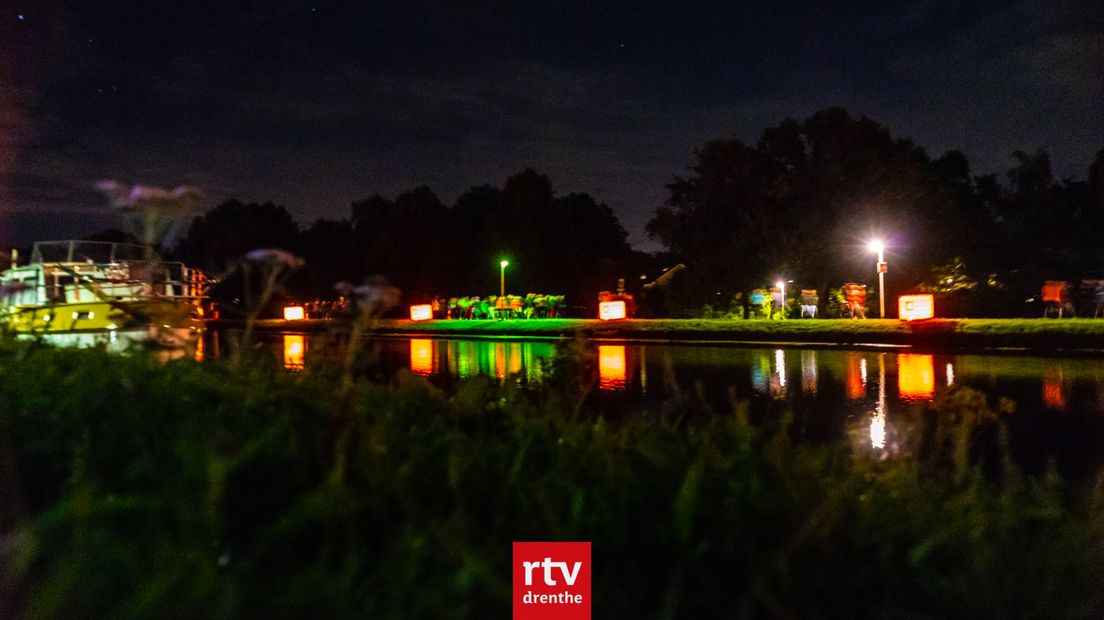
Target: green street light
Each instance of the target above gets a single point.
(502, 278)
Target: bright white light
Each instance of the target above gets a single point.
(876, 246)
(878, 429)
(780, 284)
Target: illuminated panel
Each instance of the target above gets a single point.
(421, 312)
(915, 376)
(421, 356)
(611, 367)
(295, 349)
(609, 310)
(294, 313)
(915, 307)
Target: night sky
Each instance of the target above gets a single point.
(314, 105)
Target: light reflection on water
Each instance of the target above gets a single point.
(611, 367)
(422, 356)
(295, 351)
(915, 376)
(875, 398)
(777, 374)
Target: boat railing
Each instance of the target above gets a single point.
(77, 251)
(127, 279)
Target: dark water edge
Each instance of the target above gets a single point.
(874, 399)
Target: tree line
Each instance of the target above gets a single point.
(568, 244)
(799, 204)
(804, 200)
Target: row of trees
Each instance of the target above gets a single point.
(800, 204)
(568, 244)
(803, 201)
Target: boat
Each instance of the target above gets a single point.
(96, 293)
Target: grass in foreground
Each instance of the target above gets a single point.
(137, 489)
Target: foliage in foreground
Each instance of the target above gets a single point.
(132, 488)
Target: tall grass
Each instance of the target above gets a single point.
(136, 489)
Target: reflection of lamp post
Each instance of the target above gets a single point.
(878, 420)
(502, 278)
(878, 247)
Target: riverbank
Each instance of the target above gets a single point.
(134, 488)
(1045, 335)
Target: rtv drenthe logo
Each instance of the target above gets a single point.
(551, 581)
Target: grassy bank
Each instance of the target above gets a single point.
(132, 488)
(1036, 334)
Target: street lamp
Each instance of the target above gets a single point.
(781, 284)
(502, 278)
(878, 247)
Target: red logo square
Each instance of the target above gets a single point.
(551, 581)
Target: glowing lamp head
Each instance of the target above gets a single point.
(780, 284)
(421, 312)
(294, 313)
(876, 246)
(504, 263)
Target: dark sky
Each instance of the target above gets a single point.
(314, 105)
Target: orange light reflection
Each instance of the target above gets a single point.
(856, 376)
(915, 376)
(421, 356)
(295, 350)
(611, 367)
(1054, 393)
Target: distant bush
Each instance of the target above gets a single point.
(134, 488)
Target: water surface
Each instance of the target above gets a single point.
(875, 399)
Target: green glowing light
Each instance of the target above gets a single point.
(503, 264)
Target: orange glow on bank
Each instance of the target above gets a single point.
(609, 310)
(915, 307)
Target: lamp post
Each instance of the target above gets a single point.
(878, 247)
(502, 278)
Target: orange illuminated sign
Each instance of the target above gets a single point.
(294, 313)
(915, 307)
(421, 312)
(608, 310)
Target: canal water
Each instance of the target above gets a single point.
(873, 398)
